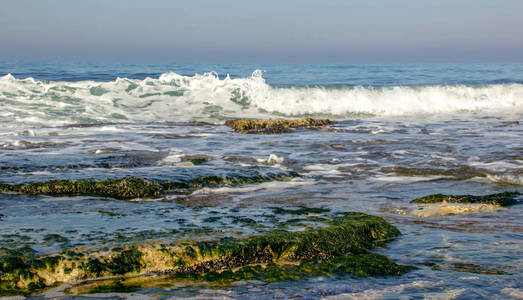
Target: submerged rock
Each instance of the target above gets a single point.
(473, 268)
(500, 199)
(276, 255)
(274, 126)
(301, 210)
(454, 172)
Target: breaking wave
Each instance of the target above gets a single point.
(206, 97)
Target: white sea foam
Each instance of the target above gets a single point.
(407, 179)
(322, 170)
(276, 185)
(173, 97)
(273, 159)
(513, 292)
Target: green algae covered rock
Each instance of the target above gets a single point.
(500, 199)
(355, 265)
(277, 255)
(473, 268)
(16, 274)
(124, 188)
(132, 187)
(274, 126)
(363, 264)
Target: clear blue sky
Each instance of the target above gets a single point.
(245, 31)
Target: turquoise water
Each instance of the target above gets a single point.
(403, 131)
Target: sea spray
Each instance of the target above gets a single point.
(206, 97)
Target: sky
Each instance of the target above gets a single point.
(268, 31)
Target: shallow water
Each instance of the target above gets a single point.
(387, 149)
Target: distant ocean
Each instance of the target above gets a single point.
(402, 132)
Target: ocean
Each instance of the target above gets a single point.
(400, 132)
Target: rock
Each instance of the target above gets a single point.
(248, 126)
(500, 199)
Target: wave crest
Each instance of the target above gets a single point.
(174, 97)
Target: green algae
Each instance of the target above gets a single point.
(244, 221)
(132, 187)
(323, 250)
(300, 210)
(109, 287)
(248, 126)
(15, 266)
(110, 213)
(196, 160)
(5, 187)
(124, 262)
(500, 199)
(214, 180)
(124, 188)
(472, 268)
(357, 265)
(457, 173)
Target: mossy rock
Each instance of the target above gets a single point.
(472, 268)
(357, 265)
(276, 126)
(197, 159)
(16, 272)
(132, 187)
(124, 188)
(276, 253)
(126, 261)
(300, 210)
(215, 180)
(455, 173)
(500, 199)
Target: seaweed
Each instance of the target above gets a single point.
(197, 160)
(132, 187)
(472, 268)
(500, 199)
(357, 265)
(15, 267)
(301, 210)
(126, 261)
(124, 188)
(457, 172)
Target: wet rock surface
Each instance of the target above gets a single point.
(249, 126)
(499, 199)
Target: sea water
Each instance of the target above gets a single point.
(403, 132)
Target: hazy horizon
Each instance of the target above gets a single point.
(203, 31)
